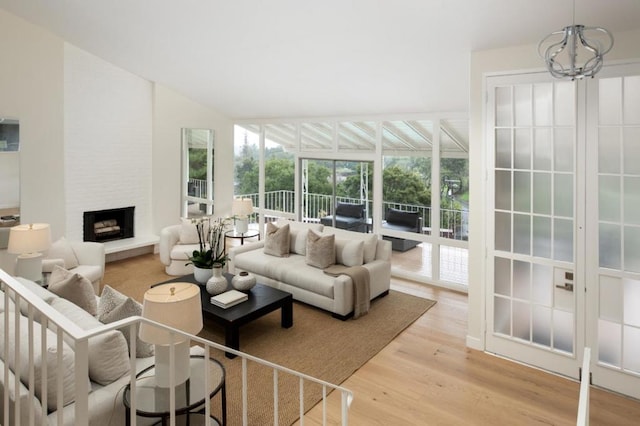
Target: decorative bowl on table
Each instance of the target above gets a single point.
(243, 281)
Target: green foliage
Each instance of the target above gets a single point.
(197, 163)
(404, 186)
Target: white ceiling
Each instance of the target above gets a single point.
(301, 58)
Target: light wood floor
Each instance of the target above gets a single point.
(427, 376)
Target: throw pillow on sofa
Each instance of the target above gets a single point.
(61, 249)
(73, 287)
(276, 242)
(115, 306)
(298, 234)
(349, 253)
(108, 352)
(321, 250)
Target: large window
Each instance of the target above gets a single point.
(304, 169)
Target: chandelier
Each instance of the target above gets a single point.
(576, 51)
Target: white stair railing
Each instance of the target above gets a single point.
(49, 318)
(583, 402)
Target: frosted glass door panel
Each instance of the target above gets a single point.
(618, 224)
(609, 195)
(542, 193)
(609, 148)
(631, 150)
(632, 200)
(632, 249)
(534, 201)
(632, 99)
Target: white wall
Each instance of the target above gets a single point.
(507, 60)
(108, 139)
(172, 112)
(31, 90)
(88, 137)
(9, 179)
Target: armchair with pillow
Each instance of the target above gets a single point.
(177, 243)
(81, 257)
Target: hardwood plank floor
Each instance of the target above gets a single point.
(427, 376)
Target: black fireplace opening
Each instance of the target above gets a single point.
(108, 225)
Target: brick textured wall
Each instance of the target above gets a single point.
(108, 136)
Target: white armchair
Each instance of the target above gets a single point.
(177, 242)
(82, 257)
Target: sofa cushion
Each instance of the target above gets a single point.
(370, 241)
(73, 287)
(115, 306)
(298, 234)
(321, 250)
(277, 242)
(108, 352)
(349, 253)
(292, 270)
(61, 249)
(48, 356)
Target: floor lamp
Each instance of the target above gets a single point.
(177, 305)
(28, 241)
(241, 209)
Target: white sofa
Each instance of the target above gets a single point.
(109, 367)
(309, 284)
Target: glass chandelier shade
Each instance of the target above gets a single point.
(571, 54)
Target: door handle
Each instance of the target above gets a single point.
(566, 286)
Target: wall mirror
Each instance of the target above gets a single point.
(197, 172)
(9, 172)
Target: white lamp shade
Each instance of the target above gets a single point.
(242, 207)
(29, 238)
(177, 305)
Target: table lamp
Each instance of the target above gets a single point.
(241, 209)
(177, 305)
(28, 241)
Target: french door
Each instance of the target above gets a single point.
(564, 196)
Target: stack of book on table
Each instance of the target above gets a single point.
(229, 298)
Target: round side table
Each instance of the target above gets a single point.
(153, 401)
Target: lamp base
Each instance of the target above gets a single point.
(182, 365)
(242, 225)
(29, 266)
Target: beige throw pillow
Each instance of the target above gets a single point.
(115, 306)
(62, 249)
(321, 250)
(188, 232)
(108, 352)
(349, 253)
(276, 242)
(73, 287)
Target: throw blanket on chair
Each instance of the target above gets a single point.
(361, 293)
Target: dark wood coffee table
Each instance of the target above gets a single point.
(262, 300)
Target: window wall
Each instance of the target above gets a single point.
(410, 164)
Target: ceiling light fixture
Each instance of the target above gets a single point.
(561, 50)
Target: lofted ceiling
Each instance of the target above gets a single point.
(304, 58)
